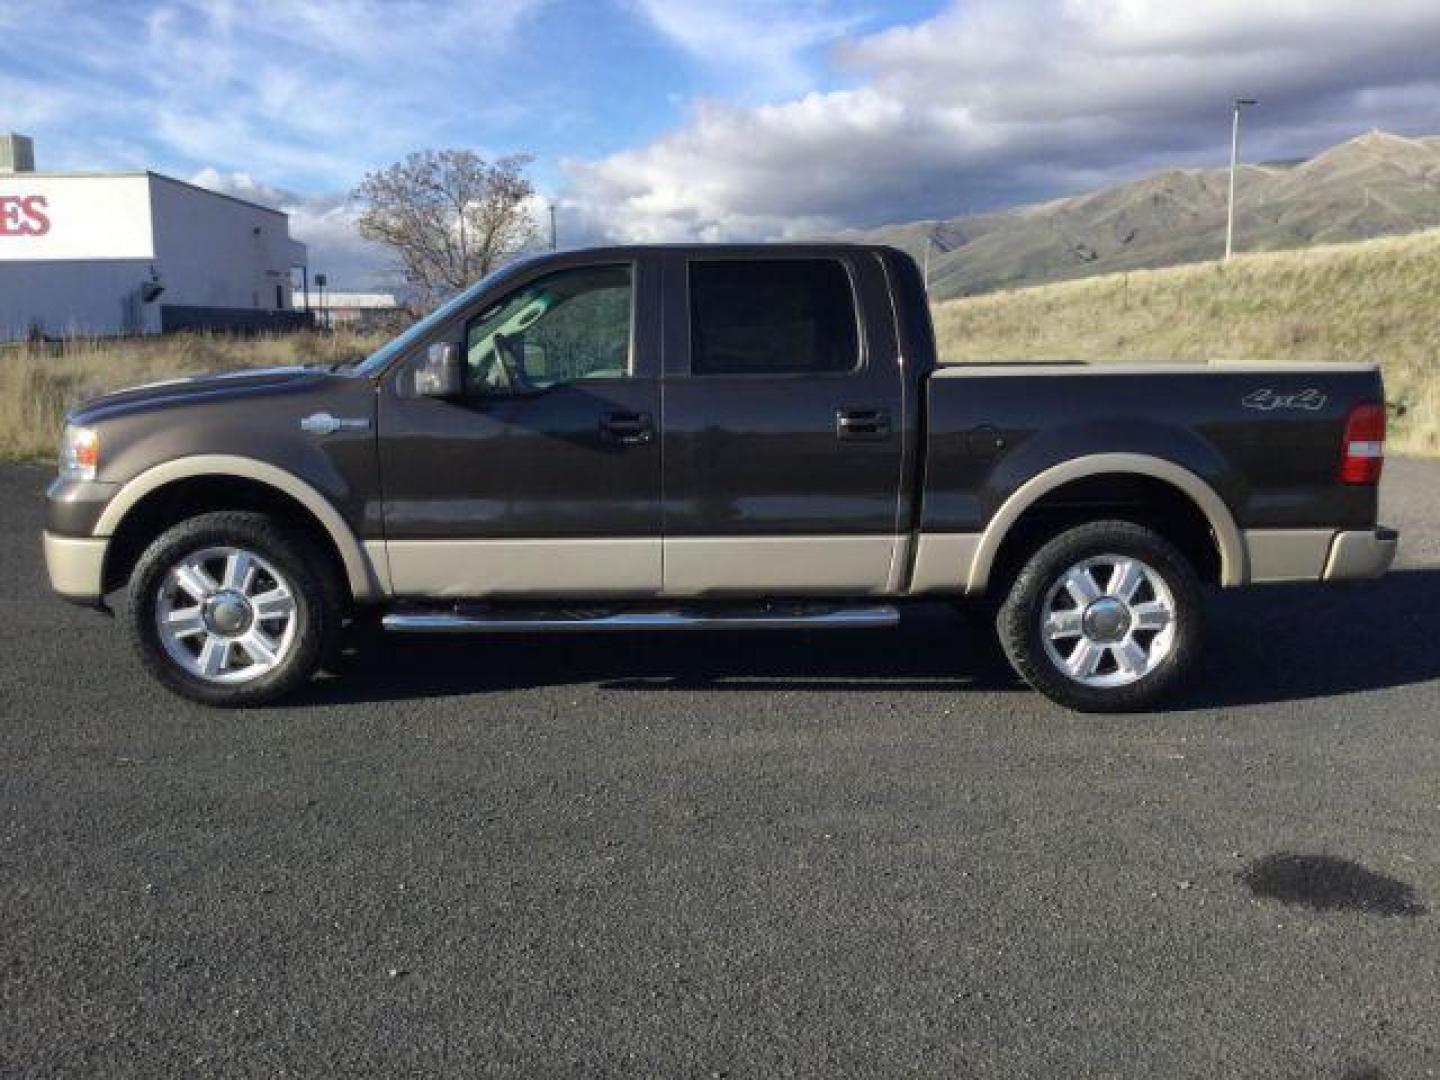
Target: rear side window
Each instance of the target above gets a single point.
(771, 317)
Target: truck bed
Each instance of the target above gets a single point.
(1267, 438)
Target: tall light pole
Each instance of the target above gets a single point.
(934, 240)
(1239, 104)
(552, 226)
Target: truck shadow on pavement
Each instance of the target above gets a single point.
(1293, 642)
(1278, 643)
(934, 650)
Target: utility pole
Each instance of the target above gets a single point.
(1239, 104)
(552, 227)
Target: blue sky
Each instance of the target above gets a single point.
(707, 119)
(308, 96)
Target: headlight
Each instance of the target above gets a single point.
(79, 453)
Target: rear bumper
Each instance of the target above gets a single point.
(1319, 554)
(76, 565)
(1361, 554)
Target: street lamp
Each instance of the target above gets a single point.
(320, 282)
(1240, 103)
(940, 244)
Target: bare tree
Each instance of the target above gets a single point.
(449, 216)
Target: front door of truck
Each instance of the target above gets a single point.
(784, 425)
(542, 476)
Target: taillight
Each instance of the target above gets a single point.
(1362, 454)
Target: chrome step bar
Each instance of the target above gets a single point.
(502, 622)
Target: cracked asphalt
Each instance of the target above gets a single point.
(769, 855)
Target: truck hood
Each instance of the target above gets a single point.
(247, 383)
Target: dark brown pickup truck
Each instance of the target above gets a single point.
(745, 437)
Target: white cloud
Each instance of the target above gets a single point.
(763, 47)
(317, 92)
(996, 101)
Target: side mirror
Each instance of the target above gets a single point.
(439, 375)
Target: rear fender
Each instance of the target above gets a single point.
(1233, 560)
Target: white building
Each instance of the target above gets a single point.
(130, 253)
(358, 310)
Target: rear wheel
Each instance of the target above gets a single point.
(1106, 617)
(233, 608)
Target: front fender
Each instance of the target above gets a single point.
(365, 579)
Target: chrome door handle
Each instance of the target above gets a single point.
(627, 429)
(861, 425)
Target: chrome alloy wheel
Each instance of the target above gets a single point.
(226, 615)
(1108, 621)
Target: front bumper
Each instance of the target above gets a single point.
(1361, 554)
(76, 565)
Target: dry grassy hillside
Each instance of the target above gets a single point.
(1376, 185)
(38, 383)
(1377, 300)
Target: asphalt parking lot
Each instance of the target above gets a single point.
(729, 855)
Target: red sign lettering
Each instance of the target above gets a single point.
(23, 215)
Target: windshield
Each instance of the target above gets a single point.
(377, 361)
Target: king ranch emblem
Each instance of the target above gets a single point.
(23, 215)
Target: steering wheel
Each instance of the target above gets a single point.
(511, 365)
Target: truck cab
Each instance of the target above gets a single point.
(623, 425)
(742, 436)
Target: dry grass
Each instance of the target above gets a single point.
(39, 382)
(1368, 301)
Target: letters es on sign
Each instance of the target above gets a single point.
(23, 215)
(1266, 400)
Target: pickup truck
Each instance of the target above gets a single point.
(744, 437)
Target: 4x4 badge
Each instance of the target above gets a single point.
(1271, 399)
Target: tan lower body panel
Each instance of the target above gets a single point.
(900, 564)
(692, 566)
(943, 562)
(785, 565)
(746, 565)
(76, 565)
(1287, 554)
(1362, 554)
(520, 568)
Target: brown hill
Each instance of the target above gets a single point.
(1376, 185)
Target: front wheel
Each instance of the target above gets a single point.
(1106, 617)
(233, 608)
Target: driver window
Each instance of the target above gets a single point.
(566, 326)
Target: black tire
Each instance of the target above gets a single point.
(1020, 622)
(312, 579)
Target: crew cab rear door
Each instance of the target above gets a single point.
(783, 424)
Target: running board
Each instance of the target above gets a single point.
(530, 622)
